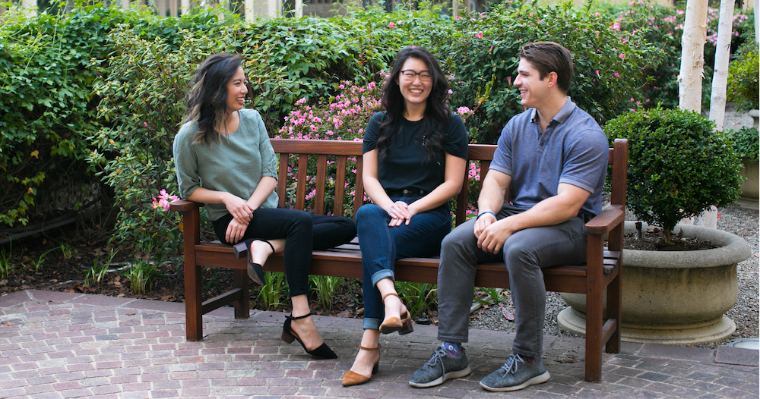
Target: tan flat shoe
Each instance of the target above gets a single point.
(351, 378)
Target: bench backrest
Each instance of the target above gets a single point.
(344, 150)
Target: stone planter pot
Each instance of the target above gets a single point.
(749, 187)
(674, 297)
(750, 197)
(755, 114)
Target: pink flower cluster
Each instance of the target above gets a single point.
(343, 117)
(163, 200)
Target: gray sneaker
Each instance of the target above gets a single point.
(439, 368)
(516, 374)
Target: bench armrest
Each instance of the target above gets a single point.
(184, 205)
(604, 222)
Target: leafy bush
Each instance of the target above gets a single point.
(746, 142)
(100, 90)
(678, 166)
(662, 27)
(743, 81)
(47, 109)
(480, 52)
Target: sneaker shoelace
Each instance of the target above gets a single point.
(510, 366)
(438, 357)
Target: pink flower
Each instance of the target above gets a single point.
(301, 101)
(596, 14)
(341, 87)
(622, 56)
(391, 25)
(632, 100)
(457, 17)
(163, 204)
(479, 35)
(597, 72)
(463, 110)
(617, 75)
(145, 123)
(450, 92)
(491, 49)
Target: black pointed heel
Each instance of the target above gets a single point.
(288, 335)
(255, 270)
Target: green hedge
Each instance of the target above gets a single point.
(113, 83)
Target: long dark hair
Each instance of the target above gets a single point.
(436, 110)
(207, 98)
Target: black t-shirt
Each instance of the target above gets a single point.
(404, 165)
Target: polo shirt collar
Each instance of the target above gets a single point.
(561, 116)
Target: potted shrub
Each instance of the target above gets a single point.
(746, 145)
(678, 168)
(743, 82)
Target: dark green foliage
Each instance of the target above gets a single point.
(678, 166)
(746, 142)
(662, 28)
(743, 81)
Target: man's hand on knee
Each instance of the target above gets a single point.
(493, 237)
(484, 220)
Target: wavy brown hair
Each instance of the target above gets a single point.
(207, 99)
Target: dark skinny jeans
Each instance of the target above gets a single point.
(302, 232)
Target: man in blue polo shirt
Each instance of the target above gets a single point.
(552, 161)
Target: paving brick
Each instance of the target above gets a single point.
(245, 357)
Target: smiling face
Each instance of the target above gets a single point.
(236, 91)
(533, 89)
(415, 90)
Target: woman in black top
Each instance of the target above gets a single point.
(415, 155)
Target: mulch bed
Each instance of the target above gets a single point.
(654, 240)
(67, 274)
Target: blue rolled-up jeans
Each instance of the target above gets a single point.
(382, 245)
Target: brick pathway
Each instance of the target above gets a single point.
(58, 345)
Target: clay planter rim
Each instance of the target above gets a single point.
(733, 249)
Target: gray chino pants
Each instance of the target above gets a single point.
(525, 253)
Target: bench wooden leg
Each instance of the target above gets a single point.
(193, 307)
(242, 305)
(594, 309)
(593, 340)
(615, 311)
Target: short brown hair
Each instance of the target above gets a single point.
(549, 57)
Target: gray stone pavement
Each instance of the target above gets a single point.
(59, 345)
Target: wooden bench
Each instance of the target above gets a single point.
(603, 269)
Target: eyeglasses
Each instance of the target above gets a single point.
(410, 75)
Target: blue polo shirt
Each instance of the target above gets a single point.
(573, 149)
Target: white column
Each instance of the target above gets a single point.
(692, 56)
(30, 7)
(185, 6)
(722, 54)
(272, 8)
(124, 4)
(250, 14)
(161, 7)
(299, 8)
(173, 8)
